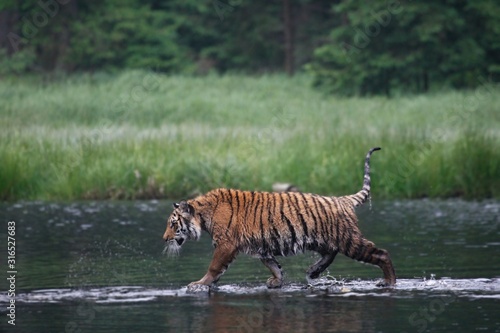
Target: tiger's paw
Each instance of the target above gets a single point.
(196, 288)
(274, 282)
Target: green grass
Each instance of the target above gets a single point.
(144, 135)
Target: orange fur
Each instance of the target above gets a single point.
(267, 224)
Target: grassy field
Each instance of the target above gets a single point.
(141, 135)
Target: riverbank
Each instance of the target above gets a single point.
(139, 135)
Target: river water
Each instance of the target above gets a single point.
(98, 267)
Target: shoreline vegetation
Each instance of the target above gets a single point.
(141, 135)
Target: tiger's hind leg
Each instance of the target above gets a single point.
(318, 267)
(275, 281)
(365, 251)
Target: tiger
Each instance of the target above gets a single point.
(270, 224)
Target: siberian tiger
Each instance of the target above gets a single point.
(267, 225)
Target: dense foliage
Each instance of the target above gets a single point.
(410, 46)
(350, 46)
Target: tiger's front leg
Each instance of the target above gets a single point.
(223, 256)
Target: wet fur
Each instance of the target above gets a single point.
(267, 225)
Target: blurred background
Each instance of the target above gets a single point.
(154, 99)
(350, 46)
(107, 106)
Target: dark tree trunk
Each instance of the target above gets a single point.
(8, 19)
(70, 12)
(288, 34)
(4, 28)
(425, 79)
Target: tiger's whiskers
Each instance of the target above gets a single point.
(172, 249)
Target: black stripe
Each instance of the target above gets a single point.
(232, 210)
(337, 222)
(248, 206)
(346, 221)
(316, 216)
(299, 214)
(275, 236)
(368, 255)
(237, 196)
(222, 192)
(303, 200)
(276, 248)
(328, 209)
(346, 214)
(202, 220)
(287, 246)
(310, 213)
(271, 227)
(355, 197)
(217, 198)
(348, 243)
(270, 212)
(357, 249)
(280, 206)
(322, 222)
(317, 219)
(332, 216)
(263, 239)
(326, 220)
(291, 228)
(256, 205)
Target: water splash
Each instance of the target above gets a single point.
(405, 288)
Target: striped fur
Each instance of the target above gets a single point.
(266, 225)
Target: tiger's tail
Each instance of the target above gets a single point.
(360, 198)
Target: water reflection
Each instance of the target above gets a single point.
(99, 266)
(274, 313)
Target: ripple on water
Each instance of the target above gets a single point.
(405, 288)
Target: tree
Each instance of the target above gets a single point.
(350, 46)
(288, 28)
(409, 46)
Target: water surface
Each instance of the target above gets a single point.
(98, 267)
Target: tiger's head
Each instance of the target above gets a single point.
(181, 226)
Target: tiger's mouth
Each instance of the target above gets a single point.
(173, 247)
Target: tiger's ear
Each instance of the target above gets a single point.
(185, 208)
(176, 205)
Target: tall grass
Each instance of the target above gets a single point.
(144, 135)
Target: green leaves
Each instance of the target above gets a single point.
(351, 47)
(127, 35)
(408, 47)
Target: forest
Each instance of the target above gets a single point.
(167, 99)
(350, 47)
